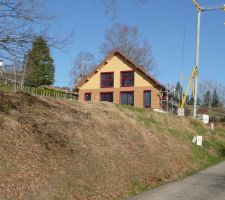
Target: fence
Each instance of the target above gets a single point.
(13, 86)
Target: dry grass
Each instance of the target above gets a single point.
(61, 149)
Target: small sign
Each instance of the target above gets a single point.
(197, 140)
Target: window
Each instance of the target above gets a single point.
(127, 79)
(87, 96)
(147, 99)
(107, 96)
(107, 79)
(127, 98)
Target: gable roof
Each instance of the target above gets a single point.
(110, 55)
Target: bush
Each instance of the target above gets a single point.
(203, 110)
(187, 111)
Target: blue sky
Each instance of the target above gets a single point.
(161, 22)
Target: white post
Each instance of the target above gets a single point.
(24, 71)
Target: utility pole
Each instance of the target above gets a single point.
(197, 61)
(200, 9)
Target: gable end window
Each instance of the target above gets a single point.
(127, 79)
(107, 79)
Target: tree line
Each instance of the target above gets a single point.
(211, 94)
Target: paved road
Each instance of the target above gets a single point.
(205, 185)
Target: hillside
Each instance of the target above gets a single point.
(63, 150)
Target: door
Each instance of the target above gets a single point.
(147, 99)
(127, 98)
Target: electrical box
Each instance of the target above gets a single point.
(204, 118)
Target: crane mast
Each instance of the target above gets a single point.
(194, 75)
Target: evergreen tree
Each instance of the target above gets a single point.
(190, 100)
(40, 67)
(207, 99)
(178, 96)
(215, 99)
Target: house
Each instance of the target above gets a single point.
(119, 80)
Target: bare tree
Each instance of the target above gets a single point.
(17, 31)
(111, 6)
(128, 40)
(83, 64)
(206, 85)
(16, 26)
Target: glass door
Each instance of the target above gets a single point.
(127, 98)
(147, 99)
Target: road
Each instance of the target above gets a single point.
(205, 185)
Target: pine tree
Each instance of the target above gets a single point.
(40, 67)
(178, 92)
(215, 99)
(207, 99)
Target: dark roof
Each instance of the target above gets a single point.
(110, 55)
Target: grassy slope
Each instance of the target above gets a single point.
(55, 149)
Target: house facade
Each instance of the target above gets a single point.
(117, 79)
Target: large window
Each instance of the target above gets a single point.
(106, 96)
(107, 79)
(127, 79)
(147, 99)
(127, 98)
(87, 96)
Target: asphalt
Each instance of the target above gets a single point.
(205, 185)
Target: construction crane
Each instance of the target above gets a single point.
(194, 75)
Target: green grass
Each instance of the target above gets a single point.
(180, 135)
(131, 108)
(145, 116)
(148, 122)
(221, 132)
(212, 152)
(199, 127)
(200, 156)
(7, 88)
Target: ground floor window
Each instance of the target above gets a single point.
(147, 99)
(106, 96)
(127, 98)
(87, 96)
